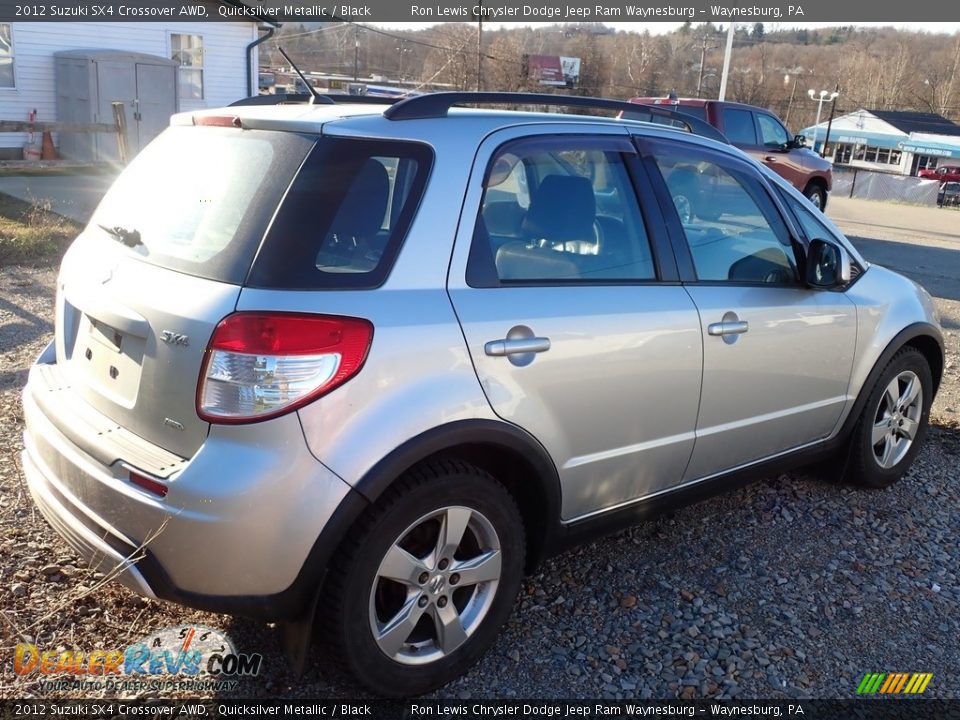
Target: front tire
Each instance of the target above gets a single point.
(816, 195)
(893, 423)
(421, 586)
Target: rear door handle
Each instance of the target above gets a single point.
(517, 346)
(728, 327)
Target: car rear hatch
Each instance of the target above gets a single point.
(160, 264)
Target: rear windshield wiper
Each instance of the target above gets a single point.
(130, 238)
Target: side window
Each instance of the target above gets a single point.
(813, 228)
(772, 133)
(556, 210)
(730, 223)
(738, 126)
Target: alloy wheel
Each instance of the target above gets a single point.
(435, 585)
(897, 419)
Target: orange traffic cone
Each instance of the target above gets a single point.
(47, 150)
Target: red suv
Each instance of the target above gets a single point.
(762, 135)
(944, 173)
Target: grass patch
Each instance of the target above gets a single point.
(32, 234)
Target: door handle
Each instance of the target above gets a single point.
(516, 346)
(728, 327)
(770, 159)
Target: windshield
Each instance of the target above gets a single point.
(198, 200)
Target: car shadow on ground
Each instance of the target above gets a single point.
(936, 268)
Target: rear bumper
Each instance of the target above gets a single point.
(238, 531)
(101, 550)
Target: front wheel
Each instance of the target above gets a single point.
(816, 195)
(421, 587)
(893, 423)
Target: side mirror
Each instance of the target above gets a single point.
(800, 141)
(828, 265)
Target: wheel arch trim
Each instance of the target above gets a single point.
(478, 433)
(925, 333)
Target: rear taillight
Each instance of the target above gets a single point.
(260, 365)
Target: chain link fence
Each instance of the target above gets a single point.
(872, 185)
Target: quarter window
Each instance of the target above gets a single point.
(813, 227)
(6, 56)
(344, 217)
(731, 226)
(557, 211)
(187, 50)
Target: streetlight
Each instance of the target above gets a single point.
(825, 96)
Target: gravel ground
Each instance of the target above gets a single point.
(792, 587)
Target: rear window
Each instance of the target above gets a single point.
(345, 216)
(200, 198)
(650, 116)
(698, 111)
(738, 126)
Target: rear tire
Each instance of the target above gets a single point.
(421, 586)
(893, 423)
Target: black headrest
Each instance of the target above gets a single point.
(362, 210)
(563, 208)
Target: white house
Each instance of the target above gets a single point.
(210, 64)
(901, 142)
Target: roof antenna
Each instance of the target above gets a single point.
(314, 95)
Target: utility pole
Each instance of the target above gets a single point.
(704, 46)
(833, 109)
(480, 47)
(356, 52)
(820, 99)
(402, 50)
(786, 117)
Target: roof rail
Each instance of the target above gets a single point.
(293, 98)
(436, 105)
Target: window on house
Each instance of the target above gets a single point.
(187, 51)
(6, 56)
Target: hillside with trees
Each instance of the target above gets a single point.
(881, 68)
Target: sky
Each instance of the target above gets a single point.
(658, 28)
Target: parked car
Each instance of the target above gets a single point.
(944, 173)
(364, 365)
(764, 136)
(949, 194)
